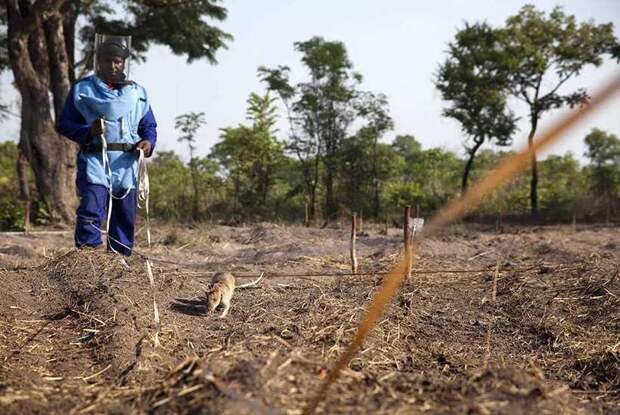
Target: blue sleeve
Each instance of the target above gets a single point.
(72, 124)
(147, 129)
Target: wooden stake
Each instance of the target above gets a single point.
(574, 222)
(407, 240)
(353, 236)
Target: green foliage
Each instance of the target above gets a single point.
(183, 26)
(529, 58)
(250, 156)
(170, 190)
(562, 186)
(11, 208)
(437, 171)
(407, 173)
(603, 150)
(399, 194)
(189, 124)
(473, 80)
(321, 110)
(366, 166)
(548, 50)
(545, 51)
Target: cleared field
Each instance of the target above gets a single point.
(77, 333)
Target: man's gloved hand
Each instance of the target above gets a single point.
(97, 128)
(145, 145)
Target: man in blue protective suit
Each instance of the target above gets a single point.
(107, 111)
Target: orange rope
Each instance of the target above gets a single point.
(456, 209)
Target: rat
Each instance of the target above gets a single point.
(220, 291)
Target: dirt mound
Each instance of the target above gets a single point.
(107, 299)
(572, 322)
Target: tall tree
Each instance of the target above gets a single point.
(374, 109)
(189, 124)
(322, 110)
(473, 80)
(603, 149)
(251, 155)
(41, 39)
(544, 52)
(366, 167)
(305, 148)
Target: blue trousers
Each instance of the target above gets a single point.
(92, 213)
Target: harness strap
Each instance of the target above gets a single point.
(96, 148)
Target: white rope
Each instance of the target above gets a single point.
(149, 272)
(143, 196)
(143, 191)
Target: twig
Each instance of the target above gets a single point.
(94, 375)
(249, 284)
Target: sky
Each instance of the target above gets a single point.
(397, 45)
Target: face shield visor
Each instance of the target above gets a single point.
(112, 58)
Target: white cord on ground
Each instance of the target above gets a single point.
(143, 196)
(143, 191)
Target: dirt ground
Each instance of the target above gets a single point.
(77, 331)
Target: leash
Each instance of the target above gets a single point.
(143, 191)
(142, 196)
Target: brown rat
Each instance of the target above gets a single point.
(220, 291)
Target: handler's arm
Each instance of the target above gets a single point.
(72, 124)
(147, 130)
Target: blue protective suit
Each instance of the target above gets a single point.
(128, 119)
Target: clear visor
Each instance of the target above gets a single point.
(112, 57)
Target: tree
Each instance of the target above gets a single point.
(41, 41)
(170, 192)
(189, 124)
(473, 79)
(251, 155)
(407, 146)
(562, 186)
(11, 209)
(410, 151)
(320, 112)
(374, 109)
(437, 173)
(544, 52)
(366, 167)
(604, 153)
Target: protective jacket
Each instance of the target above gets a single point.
(128, 119)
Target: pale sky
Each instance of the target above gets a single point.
(396, 45)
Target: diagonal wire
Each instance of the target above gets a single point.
(456, 209)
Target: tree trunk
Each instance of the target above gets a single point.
(51, 157)
(534, 180)
(375, 174)
(58, 60)
(329, 194)
(313, 190)
(469, 164)
(70, 12)
(195, 190)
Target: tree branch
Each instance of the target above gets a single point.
(560, 83)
